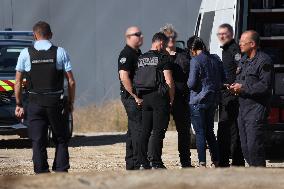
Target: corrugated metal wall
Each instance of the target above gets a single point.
(92, 32)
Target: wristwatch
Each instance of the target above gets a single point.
(19, 105)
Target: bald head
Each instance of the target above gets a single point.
(131, 30)
(249, 42)
(253, 36)
(134, 37)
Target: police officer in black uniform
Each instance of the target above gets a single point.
(228, 132)
(154, 82)
(46, 66)
(254, 87)
(127, 64)
(180, 108)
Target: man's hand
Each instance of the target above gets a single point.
(19, 112)
(227, 86)
(236, 88)
(139, 101)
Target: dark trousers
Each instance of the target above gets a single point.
(181, 116)
(155, 121)
(134, 114)
(228, 135)
(202, 118)
(251, 122)
(39, 119)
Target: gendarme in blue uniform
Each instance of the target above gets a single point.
(44, 65)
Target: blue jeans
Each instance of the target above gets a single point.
(202, 118)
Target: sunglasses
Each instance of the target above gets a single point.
(137, 34)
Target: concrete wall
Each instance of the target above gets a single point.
(92, 32)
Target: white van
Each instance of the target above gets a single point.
(267, 18)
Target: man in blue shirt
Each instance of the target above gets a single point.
(45, 66)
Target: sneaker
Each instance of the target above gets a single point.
(158, 166)
(144, 167)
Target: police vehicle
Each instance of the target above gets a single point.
(267, 18)
(11, 44)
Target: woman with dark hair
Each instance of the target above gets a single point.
(205, 81)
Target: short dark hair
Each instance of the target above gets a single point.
(196, 43)
(42, 28)
(254, 37)
(228, 26)
(160, 37)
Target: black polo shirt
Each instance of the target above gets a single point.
(180, 70)
(127, 61)
(231, 55)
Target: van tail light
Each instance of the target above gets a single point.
(274, 116)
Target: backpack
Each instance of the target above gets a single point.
(147, 76)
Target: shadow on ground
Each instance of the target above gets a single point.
(76, 141)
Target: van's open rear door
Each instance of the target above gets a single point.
(267, 18)
(212, 15)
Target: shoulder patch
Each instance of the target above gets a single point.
(122, 60)
(238, 57)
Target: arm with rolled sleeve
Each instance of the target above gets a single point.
(193, 74)
(64, 61)
(263, 86)
(23, 63)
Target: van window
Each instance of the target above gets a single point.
(206, 27)
(197, 25)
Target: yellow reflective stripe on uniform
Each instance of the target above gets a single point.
(6, 86)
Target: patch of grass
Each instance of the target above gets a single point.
(108, 117)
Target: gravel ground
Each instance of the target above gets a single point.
(97, 161)
(95, 152)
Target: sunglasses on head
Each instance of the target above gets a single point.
(137, 34)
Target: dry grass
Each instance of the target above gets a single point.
(109, 117)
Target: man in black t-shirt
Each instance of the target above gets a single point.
(127, 64)
(156, 100)
(180, 109)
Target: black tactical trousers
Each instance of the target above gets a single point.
(39, 119)
(155, 120)
(134, 114)
(181, 116)
(251, 122)
(228, 135)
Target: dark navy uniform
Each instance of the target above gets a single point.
(255, 75)
(127, 61)
(180, 107)
(156, 105)
(228, 132)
